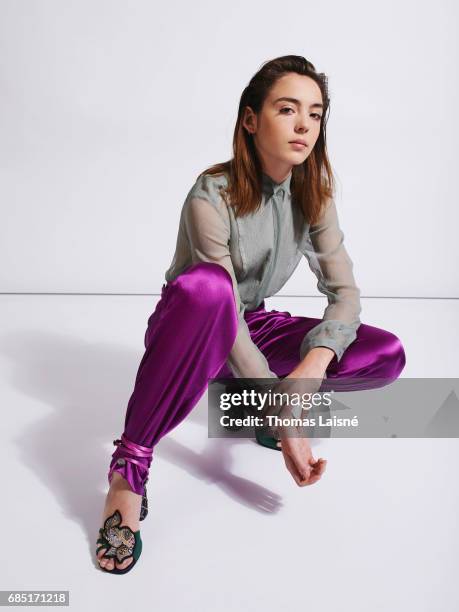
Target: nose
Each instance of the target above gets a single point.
(303, 123)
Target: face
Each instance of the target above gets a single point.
(282, 121)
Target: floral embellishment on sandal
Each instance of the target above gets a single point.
(120, 539)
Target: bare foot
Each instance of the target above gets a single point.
(120, 497)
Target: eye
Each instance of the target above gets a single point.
(317, 115)
(286, 108)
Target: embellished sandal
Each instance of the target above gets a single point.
(144, 506)
(265, 440)
(121, 543)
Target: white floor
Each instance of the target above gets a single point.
(228, 529)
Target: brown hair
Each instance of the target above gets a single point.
(312, 182)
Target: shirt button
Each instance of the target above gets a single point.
(121, 462)
(280, 192)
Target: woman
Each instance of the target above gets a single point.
(244, 227)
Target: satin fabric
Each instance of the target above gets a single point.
(187, 342)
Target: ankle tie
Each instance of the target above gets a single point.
(135, 449)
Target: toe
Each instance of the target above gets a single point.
(124, 564)
(103, 561)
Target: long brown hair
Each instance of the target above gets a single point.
(312, 182)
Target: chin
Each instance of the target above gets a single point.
(298, 159)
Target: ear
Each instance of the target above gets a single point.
(249, 120)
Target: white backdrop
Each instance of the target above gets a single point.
(110, 109)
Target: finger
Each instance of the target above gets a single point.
(319, 464)
(303, 467)
(298, 466)
(322, 465)
(304, 472)
(314, 478)
(301, 462)
(319, 470)
(304, 482)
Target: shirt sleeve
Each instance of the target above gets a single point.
(209, 233)
(330, 262)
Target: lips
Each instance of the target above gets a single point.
(298, 142)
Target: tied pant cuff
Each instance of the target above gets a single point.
(188, 340)
(133, 462)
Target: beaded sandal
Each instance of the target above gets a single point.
(119, 540)
(265, 440)
(121, 543)
(144, 506)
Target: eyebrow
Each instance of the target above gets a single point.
(297, 102)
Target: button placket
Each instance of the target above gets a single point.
(276, 229)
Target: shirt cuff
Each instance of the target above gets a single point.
(332, 334)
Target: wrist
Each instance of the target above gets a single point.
(317, 359)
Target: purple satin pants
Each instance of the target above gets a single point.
(188, 339)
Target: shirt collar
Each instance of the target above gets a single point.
(270, 187)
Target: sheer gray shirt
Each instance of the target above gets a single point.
(261, 251)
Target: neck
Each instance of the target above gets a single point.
(277, 177)
(276, 172)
